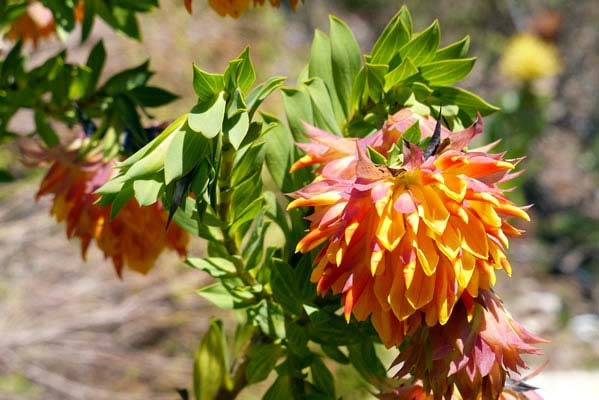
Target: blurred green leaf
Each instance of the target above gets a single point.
(263, 358)
(127, 80)
(211, 365)
(322, 378)
(44, 130)
(151, 96)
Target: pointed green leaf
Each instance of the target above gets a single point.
(421, 49)
(446, 72)
(298, 108)
(394, 36)
(257, 95)
(207, 85)
(467, 101)
(186, 149)
(320, 66)
(207, 118)
(147, 190)
(346, 58)
(324, 116)
(403, 71)
(454, 50)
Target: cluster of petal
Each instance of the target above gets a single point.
(472, 355)
(236, 8)
(37, 23)
(135, 237)
(528, 57)
(417, 392)
(403, 244)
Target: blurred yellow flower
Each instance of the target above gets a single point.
(527, 57)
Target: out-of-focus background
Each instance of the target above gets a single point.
(72, 330)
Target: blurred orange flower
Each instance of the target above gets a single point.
(403, 243)
(135, 237)
(37, 23)
(235, 8)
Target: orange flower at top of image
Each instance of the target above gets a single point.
(37, 23)
(402, 243)
(235, 8)
(135, 237)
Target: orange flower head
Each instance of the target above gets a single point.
(403, 242)
(135, 237)
(37, 23)
(473, 354)
(235, 8)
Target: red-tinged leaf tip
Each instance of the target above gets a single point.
(188, 5)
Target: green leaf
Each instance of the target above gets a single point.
(322, 377)
(332, 329)
(147, 191)
(363, 357)
(79, 83)
(151, 162)
(44, 130)
(173, 127)
(324, 116)
(413, 133)
(95, 62)
(207, 85)
(376, 157)
(298, 109)
(211, 365)
(402, 72)
(248, 214)
(320, 66)
(280, 389)
(6, 176)
(186, 149)
(121, 199)
(447, 72)
(291, 286)
(88, 19)
(263, 359)
(334, 353)
(394, 36)
(421, 49)
(247, 164)
(406, 17)
(152, 96)
(454, 50)
(62, 11)
(236, 126)
(467, 101)
(373, 84)
(126, 80)
(207, 118)
(218, 295)
(257, 95)
(346, 58)
(217, 267)
(245, 73)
